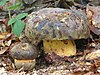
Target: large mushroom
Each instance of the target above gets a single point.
(58, 28)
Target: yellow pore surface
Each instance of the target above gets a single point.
(60, 47)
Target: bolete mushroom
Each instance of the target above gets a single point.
(58, 28)
(24, 55)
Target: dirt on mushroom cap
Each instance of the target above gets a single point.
(24, 51)
(56, 24)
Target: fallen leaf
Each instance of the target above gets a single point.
(93, 55)
(8, 43)
(97, 62)
(3, 35)
(93, 14)
(3, 50)
(89, 73)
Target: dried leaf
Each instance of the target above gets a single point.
(8, 43)
(1, 43)
(3, 35)
(89, 73)
(93, 55)
(3, 50)
(93, 14)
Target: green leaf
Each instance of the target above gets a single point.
(18, 27)
(11, 21)
(20, 16)
(2, 2)
(15, 6)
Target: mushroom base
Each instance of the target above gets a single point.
(24, 64)
(60, 47)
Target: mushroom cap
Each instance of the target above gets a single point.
(56, 24)
(24, 51)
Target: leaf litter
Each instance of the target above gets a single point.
(85, 62)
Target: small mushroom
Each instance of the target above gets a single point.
(58, 28)
(24, 55)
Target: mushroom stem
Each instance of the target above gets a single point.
(25, 64)
(60, 47)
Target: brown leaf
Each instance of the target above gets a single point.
(93, 55)
(2, 43)
(94, 29)
(97, 62)
(8, 43)
(3, 50)
(3, 35)
(93, 14)
(89, 73)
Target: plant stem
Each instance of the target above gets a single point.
(9, 13)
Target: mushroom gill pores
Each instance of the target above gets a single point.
(57, 28)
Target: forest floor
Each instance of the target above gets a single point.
(85, 62)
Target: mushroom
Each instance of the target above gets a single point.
(24, 55)
(58, 28)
